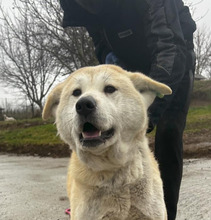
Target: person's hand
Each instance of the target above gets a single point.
(150, 127)
(111, 58)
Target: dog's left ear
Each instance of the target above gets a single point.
(52, 102)
(149, 87)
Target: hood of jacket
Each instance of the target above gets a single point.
(75, 15)
(92, 6)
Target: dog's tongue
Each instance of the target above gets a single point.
(91, 134)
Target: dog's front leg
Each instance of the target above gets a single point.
(110, 216)
(101, 204)
(116, 205)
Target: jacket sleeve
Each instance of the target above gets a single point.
(187, 23)
(168, 50)
(101, 47)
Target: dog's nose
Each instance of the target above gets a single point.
(85, 105)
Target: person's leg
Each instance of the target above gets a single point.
(169, 144)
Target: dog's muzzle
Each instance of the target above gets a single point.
(91, 136)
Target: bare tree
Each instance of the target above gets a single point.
(202, 41)
(193, 4)
(72, 47)
(35, 49)
(24, 62)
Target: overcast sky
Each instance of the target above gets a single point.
(202, 10)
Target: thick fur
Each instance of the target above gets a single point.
(117, 178)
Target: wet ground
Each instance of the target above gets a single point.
(33, 188)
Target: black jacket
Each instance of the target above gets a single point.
(147, 35)
(151, 36)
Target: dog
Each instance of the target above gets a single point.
(101, 113)
(8, 118)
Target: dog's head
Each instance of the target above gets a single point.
(97, 108)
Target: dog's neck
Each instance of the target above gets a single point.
(102, 178)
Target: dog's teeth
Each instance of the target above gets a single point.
(89, 135)
(83, 135)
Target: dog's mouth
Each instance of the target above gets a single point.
(92, 136)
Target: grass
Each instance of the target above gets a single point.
(31, 137)
(37, 137)
(202, 90)
(199, 118)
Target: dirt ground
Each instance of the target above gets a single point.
(35, 188)
(195, 145)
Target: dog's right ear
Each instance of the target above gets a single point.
(52, 102)
(149, 87)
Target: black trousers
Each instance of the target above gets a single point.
(169, 143)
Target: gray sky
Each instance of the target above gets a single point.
(202, 10)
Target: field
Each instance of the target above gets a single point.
(35, 137)
(31, 137)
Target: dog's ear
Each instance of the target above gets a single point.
(52, 102)
(149, 87)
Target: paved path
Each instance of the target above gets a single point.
(33, 188)
(195, 193)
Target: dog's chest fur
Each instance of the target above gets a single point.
(107, 204)
(115, 196)
(103, 204)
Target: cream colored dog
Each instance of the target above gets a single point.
(101, 112)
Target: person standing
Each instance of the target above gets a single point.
(155, 38)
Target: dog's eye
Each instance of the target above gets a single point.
(109, 89)
(142, 90)
(77, 92)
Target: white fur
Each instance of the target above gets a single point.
(9, 118)
(119, 178)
